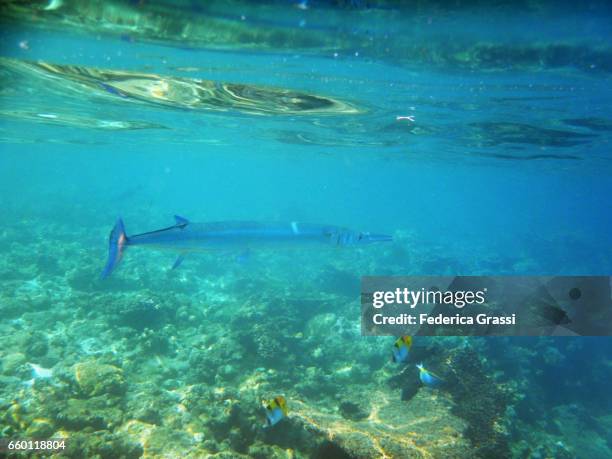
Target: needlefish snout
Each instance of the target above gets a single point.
(185, 237)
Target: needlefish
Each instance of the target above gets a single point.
(185, 237)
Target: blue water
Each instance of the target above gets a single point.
(503, 168)
(446, 186)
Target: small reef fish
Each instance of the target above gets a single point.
(401, 349)
(276, 409)
(428, 378)
(185, 236)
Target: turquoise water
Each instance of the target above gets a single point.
(499, 163)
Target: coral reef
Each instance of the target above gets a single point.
(392, 429)
(482, 402)
(159, 374)
(94, 378)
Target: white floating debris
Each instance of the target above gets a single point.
(40, 372)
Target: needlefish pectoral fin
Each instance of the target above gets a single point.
(117, 241)
(243, 256)
(179, 260)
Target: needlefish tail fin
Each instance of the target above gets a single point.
(117, 241)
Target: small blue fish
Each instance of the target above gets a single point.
(428, 378)
(276, 409)
(401, 349)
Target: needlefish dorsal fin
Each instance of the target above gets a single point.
(181, 222)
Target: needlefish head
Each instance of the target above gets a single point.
(344, 237)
